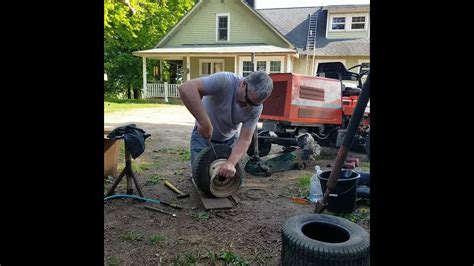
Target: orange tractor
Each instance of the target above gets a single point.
(320, 106)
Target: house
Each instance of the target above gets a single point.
(226, 35)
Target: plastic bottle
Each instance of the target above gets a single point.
(315, 190)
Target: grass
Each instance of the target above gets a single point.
(155, 239)
(153, 180)
(227, 258)
(113, 261)
(178, 172)
(360, 215)
(185, 259)
(114, 105)
(303, 185)
(139, 167)
(233, 259)
(183, 154)
(364, 166)
(304, 181)
(202, 215)
(133, 236)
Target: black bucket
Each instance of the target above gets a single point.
(343, 197)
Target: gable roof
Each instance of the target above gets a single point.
(291, 22)
(198, 4)
(294, 22)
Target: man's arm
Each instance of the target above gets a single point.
(191, 93)
(228, 168)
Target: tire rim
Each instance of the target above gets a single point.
(220, 186)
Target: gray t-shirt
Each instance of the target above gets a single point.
(220, 103)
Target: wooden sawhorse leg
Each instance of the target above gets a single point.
(128, 172)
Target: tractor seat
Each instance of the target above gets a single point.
(350, 91)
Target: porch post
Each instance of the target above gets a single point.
(166, 91)
(288, 63)
(236, 71)
(144, 77)
(161, 70)
(254, 62)
(188, 68)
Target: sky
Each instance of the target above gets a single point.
(303, 3)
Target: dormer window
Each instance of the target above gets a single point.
(222, 27)
(358, 23)
(338, 23)
(348, 22)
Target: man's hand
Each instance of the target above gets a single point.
(205, 130)
(227, 170)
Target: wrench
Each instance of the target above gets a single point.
(158, 210)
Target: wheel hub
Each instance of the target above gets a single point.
(221, 186)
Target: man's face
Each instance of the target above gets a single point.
(247, 96)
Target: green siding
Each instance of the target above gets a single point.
(194, 67)
(299, 65)
(348, 34)
(228, 64)
(245, 27)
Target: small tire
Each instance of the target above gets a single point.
(319, 239)
(202, 163)
(301, 166)
(264, 146)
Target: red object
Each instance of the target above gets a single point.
(348, 165)
(355, 160)
(304, 99)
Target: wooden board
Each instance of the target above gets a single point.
(213, 203)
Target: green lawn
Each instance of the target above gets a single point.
(114, 105)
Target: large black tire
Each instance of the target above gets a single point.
(318, 239)
(264, 146)
(202, 162)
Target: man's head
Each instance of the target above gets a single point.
(257, 87)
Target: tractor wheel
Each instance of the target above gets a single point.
(264, 146)
(206, 163)
(319, 239)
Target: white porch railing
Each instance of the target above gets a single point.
(164, 90)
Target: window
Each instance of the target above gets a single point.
(205, 68)
(348, 22)
(358, 23)
(269, 64)
(262, 65)
(275, 66)
(338, 23)
(210, 66)
(222, 27)
(247, 68)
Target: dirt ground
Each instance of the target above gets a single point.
(248, 233)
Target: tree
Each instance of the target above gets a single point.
(133, 26)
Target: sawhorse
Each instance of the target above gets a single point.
(128, 172)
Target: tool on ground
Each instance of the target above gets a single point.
(143, 199)
(158, 210)
(179, 192)
(347, 143)
(296, 199)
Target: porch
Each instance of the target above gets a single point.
(198, 60)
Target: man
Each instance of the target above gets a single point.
(226, 107)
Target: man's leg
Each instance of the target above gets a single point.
(197, 143)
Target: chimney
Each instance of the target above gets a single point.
(251, 3)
